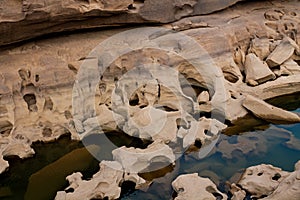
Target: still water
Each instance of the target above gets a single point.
(41, 176)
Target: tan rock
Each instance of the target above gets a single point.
(260, 47)
(288, 188)
(257, 70)
(268, 112)
(290, 66)
(3, 165)
(104, 184)
(237, 192)
(282, 52)
(189, 186)
(134, 160)
(262, 179)
(203, 97)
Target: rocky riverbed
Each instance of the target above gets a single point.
(211, 67)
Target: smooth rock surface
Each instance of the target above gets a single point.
(257, 70)
(268, 112)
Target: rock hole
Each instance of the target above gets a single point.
(48, 104)
(276, 177)
(30, 99)
(24, 74)
(165, 108)
(259, 174)
(68, 114)
(209, 133)
(69, 190)
(5, 128)
(134, 100)
(217, 195)
(127, 187)
(37, 78)
(198, 143)
(47, 132)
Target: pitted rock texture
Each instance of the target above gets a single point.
(27, 19)
(37, 78)
(267, 182)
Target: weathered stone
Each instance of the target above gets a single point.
(288, 188)
(103, 184)
(237, 192)
(260, 47)
(3, 164)
(290, 66)
(189, 186)
(262, 179)
(256, 70)
(268, 112)
(134, 160)
(203, 97)
(31, 16)
(282, 52)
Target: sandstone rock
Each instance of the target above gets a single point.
(203, 97)
(103, 184)
(237, 192)
(282, 52)
(30, 16)
(260, 47)
(290, 66)
(134, 160)
(288, 188)
(262, 179)
(256, 70)
(3, 165)
(189, 186)
(202, 131)
(268, 112)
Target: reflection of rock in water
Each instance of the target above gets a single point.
(45, 183)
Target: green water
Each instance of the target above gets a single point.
(39, 177)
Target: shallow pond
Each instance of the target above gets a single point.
(39, 177)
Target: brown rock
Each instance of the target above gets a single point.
(282, 52)
(268, 112)
(257, 70)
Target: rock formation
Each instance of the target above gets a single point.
(191, 186)
(27, 19)
(104, 184)
(267, 182)
(247, 57)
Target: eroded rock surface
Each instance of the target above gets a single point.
(37, 80)
(104, 184)
(28, 18)
(191, 186)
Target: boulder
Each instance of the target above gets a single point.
(267, 112)
(282, 52)
(191, 186)
(257, 70)
(262, 180)
(288, 189)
